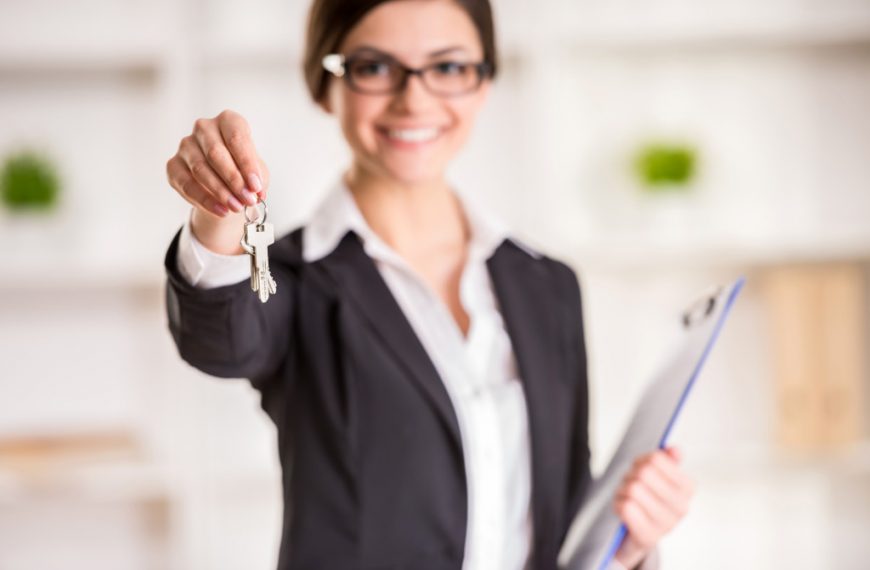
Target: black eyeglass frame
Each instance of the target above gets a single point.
(337, 64)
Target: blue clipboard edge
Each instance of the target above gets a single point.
(735, 290)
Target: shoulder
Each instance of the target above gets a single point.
(566, 283)
(559, 273)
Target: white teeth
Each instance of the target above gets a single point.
(413, 135)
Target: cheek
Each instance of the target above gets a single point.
(465, 115)
(358, 120)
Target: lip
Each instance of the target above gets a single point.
(409, 145)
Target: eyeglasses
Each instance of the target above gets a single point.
(381, 74)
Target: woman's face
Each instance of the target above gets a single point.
(378, 127)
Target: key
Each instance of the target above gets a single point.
(256, 241)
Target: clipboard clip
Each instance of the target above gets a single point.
(700, 309)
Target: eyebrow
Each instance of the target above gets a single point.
(446, 50)
(435, 53)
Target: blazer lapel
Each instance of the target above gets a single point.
(525, 296)
(357, 274)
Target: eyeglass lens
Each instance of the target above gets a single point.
(383, 76)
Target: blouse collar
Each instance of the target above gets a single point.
(339, 213)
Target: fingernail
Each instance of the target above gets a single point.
(255, 182)
(250, 197)
(220, 209)
(234, 204)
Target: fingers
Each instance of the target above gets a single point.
(188, 188)
(640, 528)
(236, 135)
(676, 498)
(654, 496)
(217, 168)
(208, 137)
(661, 511)
(668, 468)
(266, 176)
(198, 167)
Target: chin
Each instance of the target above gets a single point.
(414, 172)
(410, 177)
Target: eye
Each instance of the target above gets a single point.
(451, 68)
(367, 68)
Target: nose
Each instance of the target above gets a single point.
(414, 95)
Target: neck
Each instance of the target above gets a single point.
(409, 217)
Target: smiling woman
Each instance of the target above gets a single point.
(425, 370)
(417, 110)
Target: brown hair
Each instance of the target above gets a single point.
(329, 22)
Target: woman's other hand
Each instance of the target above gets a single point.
(653, 498)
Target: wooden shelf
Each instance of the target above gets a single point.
(60, 275)
(141, 60)
(763, 461)
(644, 252)
(100, 465)
(724, 39)
(581, 30)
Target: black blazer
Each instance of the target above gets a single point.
(373, 473)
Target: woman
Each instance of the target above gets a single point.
(425, 371)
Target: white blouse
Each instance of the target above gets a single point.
(479, 371)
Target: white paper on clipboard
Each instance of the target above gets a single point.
(596, 532)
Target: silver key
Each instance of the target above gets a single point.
(258, 236)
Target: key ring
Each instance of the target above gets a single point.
(257, 219)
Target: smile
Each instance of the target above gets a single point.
(411, 136)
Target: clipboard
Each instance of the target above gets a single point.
(596, 531)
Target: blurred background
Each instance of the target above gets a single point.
(659, 147)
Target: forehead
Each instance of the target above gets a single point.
(413, 29)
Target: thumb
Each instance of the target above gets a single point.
(674, 452)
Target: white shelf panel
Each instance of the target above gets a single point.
(68, 277)
(687, 40)
(749, 463)
(616, 27)
(115, 482)
(262, 53)
(640, 252)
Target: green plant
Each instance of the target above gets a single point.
(665, 166)
(28, 181)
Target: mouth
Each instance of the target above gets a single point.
(410, 137)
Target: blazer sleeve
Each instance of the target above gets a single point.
(226, 331)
